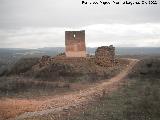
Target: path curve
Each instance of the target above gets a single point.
(81, 98)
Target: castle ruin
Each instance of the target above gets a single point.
(75, 44)
(105, 56)
(75, 52)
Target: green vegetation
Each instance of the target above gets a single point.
(140, 100)
(137, 99)
(23, 65)
(21, 87)
(75, 73)
(86, 71)
(25, 78)
(146, 68)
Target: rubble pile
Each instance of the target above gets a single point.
(45, 60)
(105, 56)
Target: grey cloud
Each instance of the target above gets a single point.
(41, 23)
(144, 35)
(70, 13)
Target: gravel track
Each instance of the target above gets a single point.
(76, 100)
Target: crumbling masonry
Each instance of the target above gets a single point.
(75, 52)
(105, 56)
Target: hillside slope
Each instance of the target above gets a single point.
(75, 101)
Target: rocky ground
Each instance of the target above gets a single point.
(56, 106)
(28, 87)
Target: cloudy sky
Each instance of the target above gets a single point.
(42, 23)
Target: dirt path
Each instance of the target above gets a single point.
(60, 104)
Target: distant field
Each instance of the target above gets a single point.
(9, 55)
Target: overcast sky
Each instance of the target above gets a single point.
(42, 23)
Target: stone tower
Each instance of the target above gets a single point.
(75, 44)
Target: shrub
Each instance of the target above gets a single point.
(146, 68)
(23, 65)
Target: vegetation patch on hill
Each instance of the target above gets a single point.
(85, 70)
(23, 65)
(20, 87)
(137, 99)
(146, 68)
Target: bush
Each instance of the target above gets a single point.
(14, 86)
(146, 68)
(23, 65)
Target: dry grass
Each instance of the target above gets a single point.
(138, 99)
(27, 89)
(146, 68)
(79, 99)
(9, 108)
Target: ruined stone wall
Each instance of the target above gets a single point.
(45, 60)
(48, 60)
(105, 56)
(75, 44)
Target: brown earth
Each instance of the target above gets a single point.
(33, 109)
